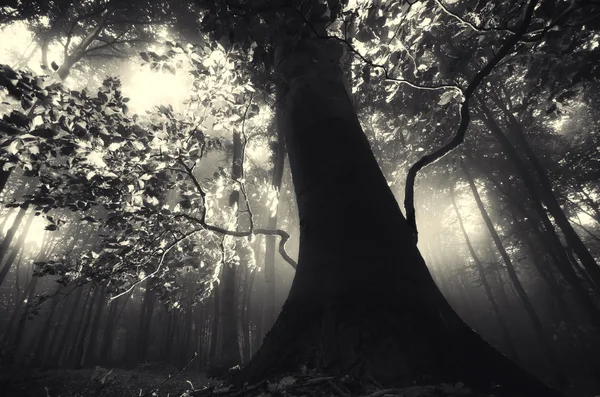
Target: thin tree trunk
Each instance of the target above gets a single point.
(270, 241)
(17, 247)
(555, 245)
(41, 347)
(216, 298)
(145, 320)
(59, 352)
(535, 321)
(488, 291)
(90, 353)
(246, 313)
(9, 238)
(107, 335)
(79, 342)
(549, 198)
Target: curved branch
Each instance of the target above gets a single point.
(469, 24)
(160, 263)
(465, 118)
(284, 236)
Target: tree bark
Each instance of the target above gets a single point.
(362, 301)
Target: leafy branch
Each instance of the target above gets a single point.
(372, 64)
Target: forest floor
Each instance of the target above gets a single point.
(146, 382)
(98, 382)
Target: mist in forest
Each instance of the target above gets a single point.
(348, 198)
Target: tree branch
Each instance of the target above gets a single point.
(465, 118)
(469, 24)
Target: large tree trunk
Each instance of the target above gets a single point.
(362, 301)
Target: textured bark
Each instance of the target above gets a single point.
(362, 301)
(488, 290)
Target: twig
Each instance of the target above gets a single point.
(160, 263)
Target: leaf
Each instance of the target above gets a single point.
(144, 56)
(14, 147)
(43, 132)
(114, 146)
(26, 103)
(102, 96)
(51, 228)
(19, 119)
(446, 97)
(366, 74)
(54, 66)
